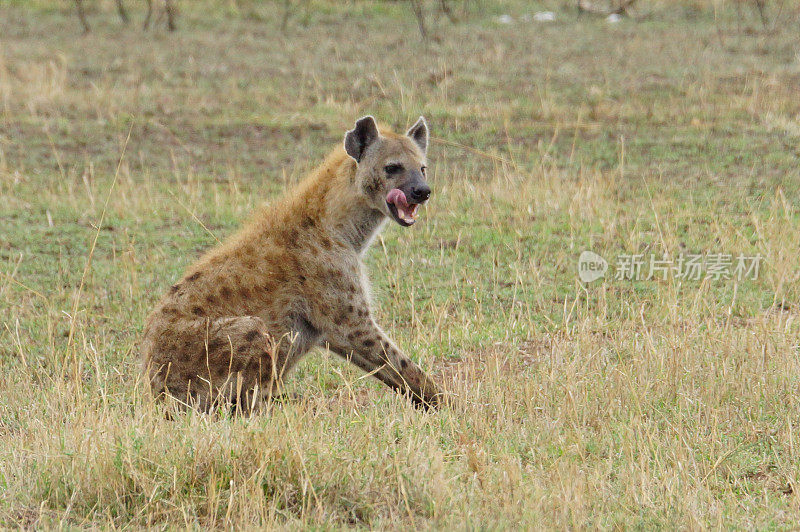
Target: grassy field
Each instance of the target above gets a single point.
(651, 403)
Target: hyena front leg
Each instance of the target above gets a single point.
(368, 347)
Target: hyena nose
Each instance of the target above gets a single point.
(420, 193)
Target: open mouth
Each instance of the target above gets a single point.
(404, 213)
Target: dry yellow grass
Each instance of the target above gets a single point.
(615, 404)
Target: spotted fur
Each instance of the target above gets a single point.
(290, 280)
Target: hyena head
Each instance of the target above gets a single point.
(390, 170)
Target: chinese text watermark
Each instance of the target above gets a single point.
(685, 267)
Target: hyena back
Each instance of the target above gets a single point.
(293, 279)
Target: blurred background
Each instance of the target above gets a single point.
(248, 86)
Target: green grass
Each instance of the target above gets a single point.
(615, 404)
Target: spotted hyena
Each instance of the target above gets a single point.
(293, 279)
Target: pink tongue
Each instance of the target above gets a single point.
(397, 197)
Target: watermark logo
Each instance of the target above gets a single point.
(685, 267)
(591, 266)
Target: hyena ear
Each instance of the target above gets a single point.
(358, 139)
(419, 134)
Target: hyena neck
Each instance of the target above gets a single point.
(329, 200)
(348, 215)
(360, 227)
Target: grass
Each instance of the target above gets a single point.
(614, 404)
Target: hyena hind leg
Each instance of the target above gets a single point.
(204, 363)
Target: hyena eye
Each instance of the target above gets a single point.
(393, 169)
(423, 169)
